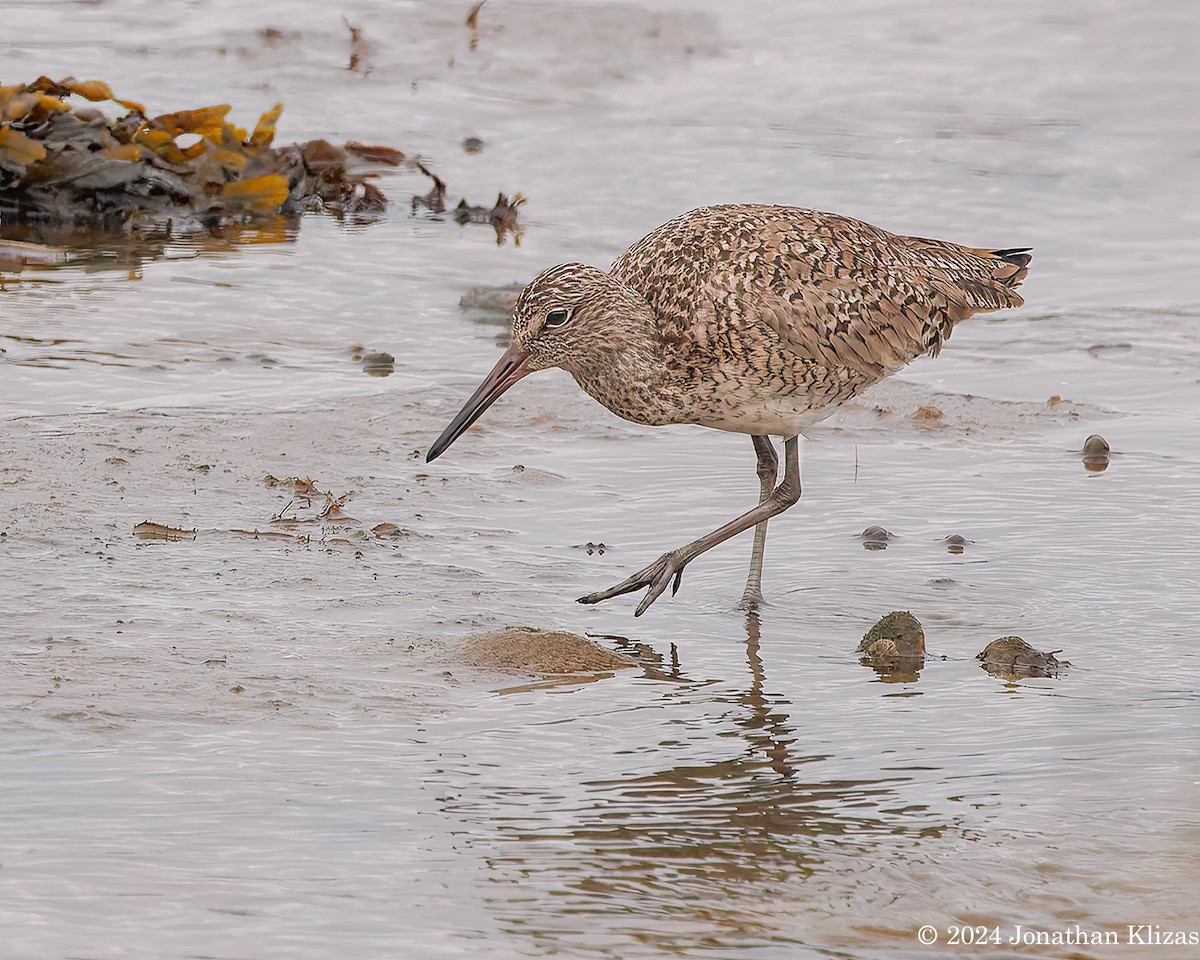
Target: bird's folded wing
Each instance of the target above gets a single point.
(874, 310)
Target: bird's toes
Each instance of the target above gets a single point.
(657, 577)
(666, 570)
(628, 585)
(597, 597)
(655, 591)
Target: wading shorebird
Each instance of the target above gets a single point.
(750, 318)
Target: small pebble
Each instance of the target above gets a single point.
(1096, 446)
(591, 548)
(501, 299)
(955, 543)
(875, 538)
(378, 364)
(472, 144)
(1096, 453)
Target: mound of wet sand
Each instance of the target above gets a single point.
(531, 650)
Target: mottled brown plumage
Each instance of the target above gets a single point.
(745, 317)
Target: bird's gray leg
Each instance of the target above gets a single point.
(659, 573)
(768, 471)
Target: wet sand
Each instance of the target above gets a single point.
(262, 739)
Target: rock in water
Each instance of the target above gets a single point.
(1011, 658)
(1096, 454)
(899, 634)
(895, 647)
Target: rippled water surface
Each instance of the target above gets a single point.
(241, 745)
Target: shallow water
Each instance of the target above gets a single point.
(255, 747)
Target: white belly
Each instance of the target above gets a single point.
(776, 418)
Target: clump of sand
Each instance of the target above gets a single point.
(532, 650)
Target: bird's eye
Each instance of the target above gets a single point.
(557, 317)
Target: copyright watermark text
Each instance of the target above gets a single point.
(962, 935)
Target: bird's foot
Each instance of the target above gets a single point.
(656, 577)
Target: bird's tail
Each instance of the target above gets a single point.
(975, 280)
(971, 280)
(1018, 259)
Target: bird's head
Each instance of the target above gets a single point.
(569, 316)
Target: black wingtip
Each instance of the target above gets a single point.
(1018, 256)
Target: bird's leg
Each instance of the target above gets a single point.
(768, 471)
(670, 565)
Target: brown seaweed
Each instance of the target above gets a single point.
(189, 169)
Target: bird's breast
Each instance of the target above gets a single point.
(641, 399)
(779, 401)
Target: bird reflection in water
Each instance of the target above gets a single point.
(708, 850)
(765, 729)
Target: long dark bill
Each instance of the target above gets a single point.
(511, 368)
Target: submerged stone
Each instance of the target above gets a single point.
(501, 300)
(378, 364)
(875, 538)
(955, 543)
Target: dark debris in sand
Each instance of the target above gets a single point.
(309, 516)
